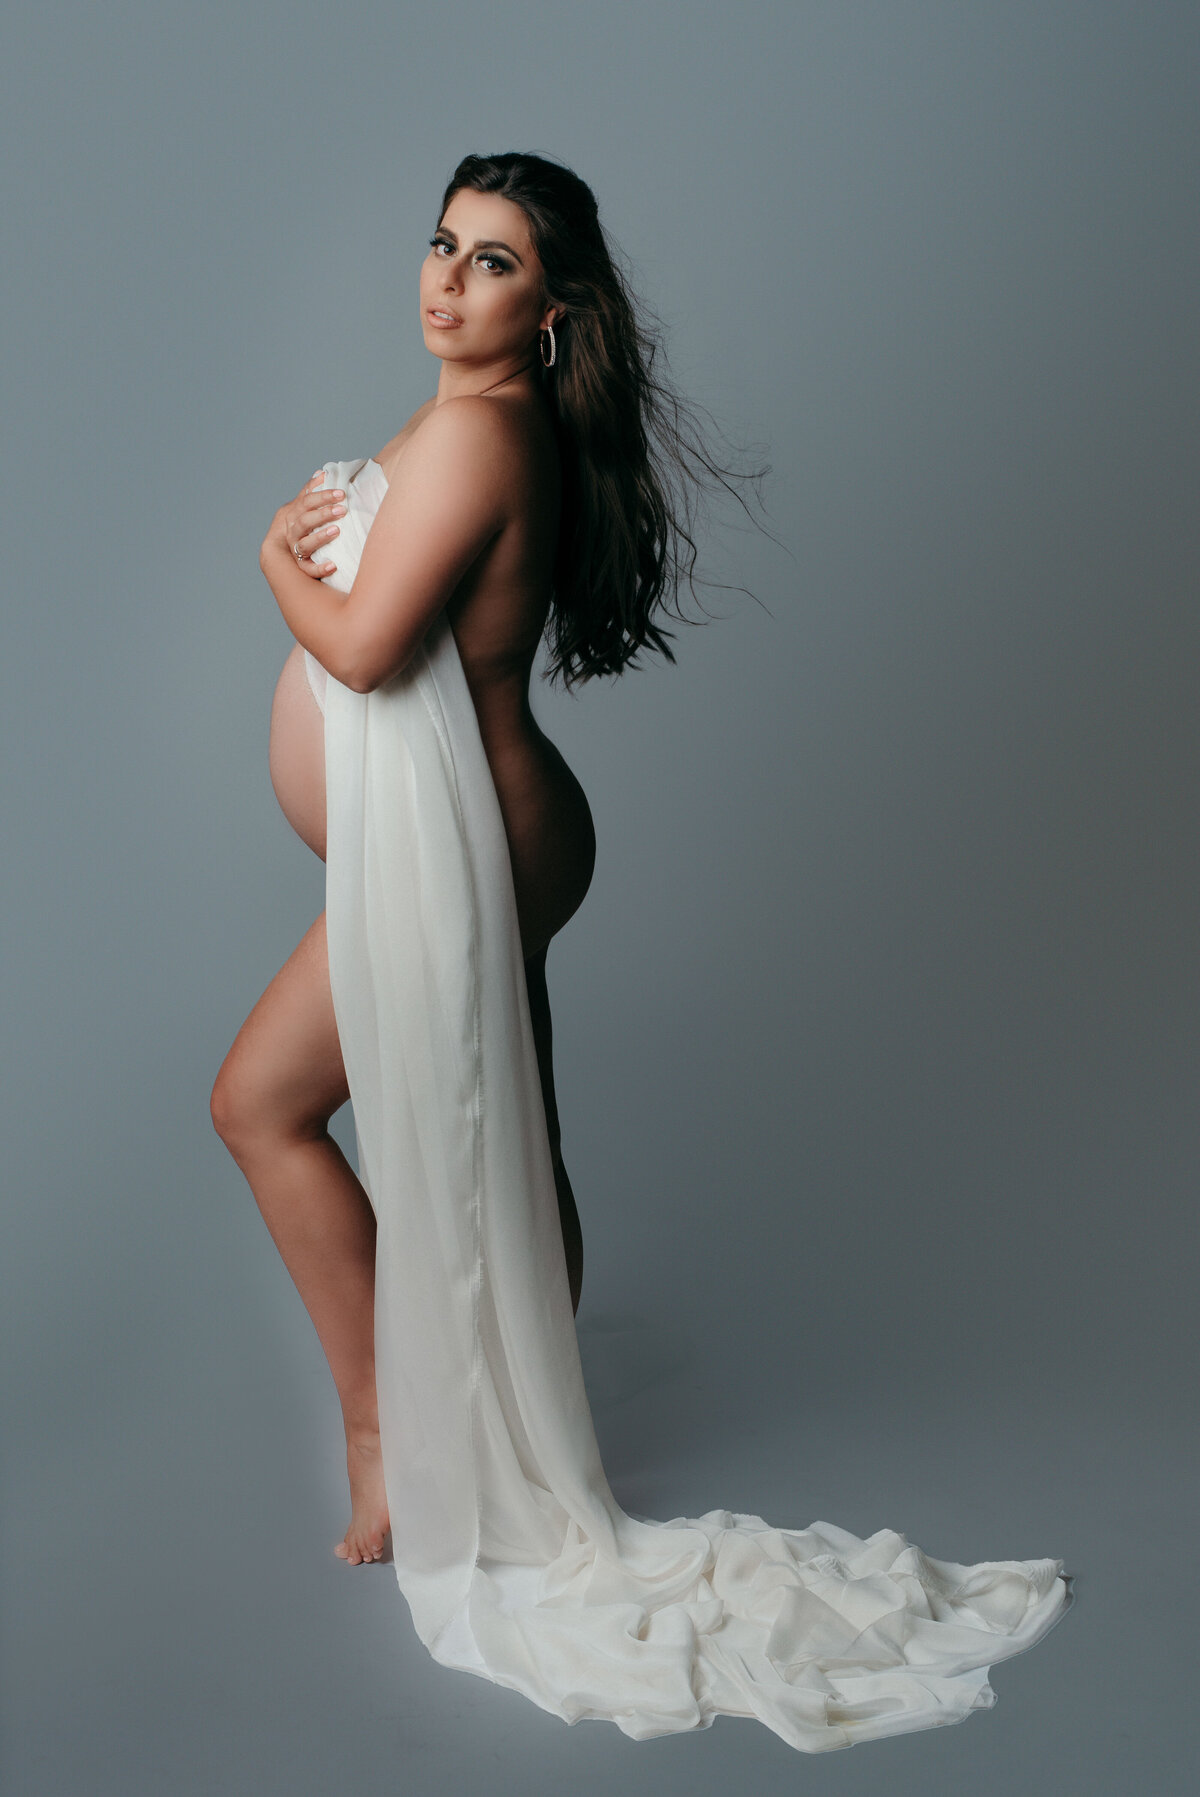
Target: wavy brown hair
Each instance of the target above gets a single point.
(635, 460)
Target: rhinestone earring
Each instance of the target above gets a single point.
(553, 348)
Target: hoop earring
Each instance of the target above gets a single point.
(553, 348)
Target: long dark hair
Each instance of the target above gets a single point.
(634, 458)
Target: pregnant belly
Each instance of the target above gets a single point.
(547, 820)
(297, 753)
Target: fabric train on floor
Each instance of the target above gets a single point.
(516, 1560)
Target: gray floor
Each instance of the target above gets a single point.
(177, 1623)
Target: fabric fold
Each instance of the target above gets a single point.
(515, 1558)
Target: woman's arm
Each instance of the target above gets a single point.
(447, 502)
(310, 610)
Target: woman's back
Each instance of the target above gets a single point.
(498, 612)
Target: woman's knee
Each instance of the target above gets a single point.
(232, 1105)
(249, 1107)
(283, 1078)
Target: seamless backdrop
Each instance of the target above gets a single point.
(876, 1039)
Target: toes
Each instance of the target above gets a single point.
(366, 1553)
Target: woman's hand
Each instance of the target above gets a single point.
(305, 526)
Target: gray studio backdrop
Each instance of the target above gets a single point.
(877, 1035)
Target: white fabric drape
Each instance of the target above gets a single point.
(516, 1560)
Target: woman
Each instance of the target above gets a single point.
(530, 497)
(471, 518)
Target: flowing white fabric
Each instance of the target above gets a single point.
(516, 1560)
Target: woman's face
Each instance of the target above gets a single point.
(482, 269)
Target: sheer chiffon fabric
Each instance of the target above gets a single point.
(516, 1560)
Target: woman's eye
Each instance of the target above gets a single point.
(443, 243)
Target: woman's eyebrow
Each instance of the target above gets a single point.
(486, 243)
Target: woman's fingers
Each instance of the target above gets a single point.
(311, 485)
(311, 509)
(313, 560)
(313, 493)
(314, 548)
(318, 569)
(311, 539)
(310, 523)
(321, 511)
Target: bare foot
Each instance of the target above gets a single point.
(364, 1539)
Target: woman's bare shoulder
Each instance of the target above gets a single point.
(513, 433)
(514, 428)
(391, 452)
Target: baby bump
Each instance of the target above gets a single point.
(296, 755)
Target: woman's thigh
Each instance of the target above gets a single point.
(284, 1072)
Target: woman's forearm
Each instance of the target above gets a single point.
(312, 612)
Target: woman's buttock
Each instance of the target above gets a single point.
(297, 753)
(551, 836)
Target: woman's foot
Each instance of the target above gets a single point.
(365, 1538)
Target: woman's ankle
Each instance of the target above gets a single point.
(360, 1416)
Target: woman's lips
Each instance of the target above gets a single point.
(444, 321)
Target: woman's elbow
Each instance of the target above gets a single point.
(367, 670)
(356, 680)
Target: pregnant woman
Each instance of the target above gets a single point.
(529, 499)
